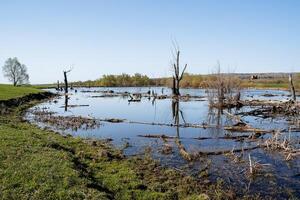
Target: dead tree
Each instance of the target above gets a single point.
(292, 87)
(58, 85)
(66, 80)
(177, 77)
(223, 89)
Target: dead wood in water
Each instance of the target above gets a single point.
(186, 125)
(66, 80)
(271, 108)
(74, 106)
(241, 126)
(104, 96)
(183, 152)
(237, 137)
(234, 117)
(65, 122)
(201, 153)
(157, 136)
(113, 120)
(292, 88)
(282, 145)
(135, 98)
(245, 128)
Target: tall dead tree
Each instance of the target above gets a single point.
(292, 87)
(66, 80)
(58, 85)
(177, 77)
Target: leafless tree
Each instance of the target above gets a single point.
(66, 79)
(15, 71)
(292, 87)
(223, 89)
(177, 77)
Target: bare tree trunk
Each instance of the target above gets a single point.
(221, 95)
(173, 86)
(292, 87)
(177, 87)
(15, 82)
(58, 85)
(66, 82)
(177, 77)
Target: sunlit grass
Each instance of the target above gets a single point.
(10, 92)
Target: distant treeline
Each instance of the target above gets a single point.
(123, 80)
(188, 81)
(126, 80)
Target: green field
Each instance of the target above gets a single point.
(10, 92)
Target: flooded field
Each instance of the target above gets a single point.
(186, 134)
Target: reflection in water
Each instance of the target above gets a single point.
(66, 102)
(175, 113)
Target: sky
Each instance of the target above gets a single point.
(128, 36)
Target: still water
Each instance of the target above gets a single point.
(277, 179)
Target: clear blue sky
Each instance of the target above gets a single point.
(115, 36)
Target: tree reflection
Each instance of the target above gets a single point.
(66, 102)
(176, 111)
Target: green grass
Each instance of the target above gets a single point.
(11, 92)
(272, 84)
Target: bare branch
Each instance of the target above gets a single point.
(183, 71)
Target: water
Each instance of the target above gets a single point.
(279, 174)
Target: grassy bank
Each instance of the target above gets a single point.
(10, 92)
(271, 84)
(41, 164)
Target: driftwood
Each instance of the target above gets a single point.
(183, 152)
(186, 125)
(232, 116)
(74, 106)
(238, 137)
(158, 136)
(104, 96)
(272, 108)
(135, 98)
(200, 153)
(241, 126)
(245, 128)
(112, 120)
